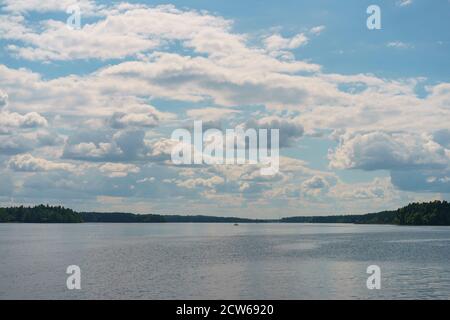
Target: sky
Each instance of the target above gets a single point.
(86, 114)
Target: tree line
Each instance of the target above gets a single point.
(39, 214)
(59, 214)
(428, 213)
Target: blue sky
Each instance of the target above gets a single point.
(87, 114)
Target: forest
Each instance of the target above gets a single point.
(427, 213)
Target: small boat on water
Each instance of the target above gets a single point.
(236, 224)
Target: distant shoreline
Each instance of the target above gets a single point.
(436, 213)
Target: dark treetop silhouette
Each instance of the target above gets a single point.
(430, 213)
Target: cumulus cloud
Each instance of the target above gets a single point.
(315, 185)
(16, 120)
(29, 163)
(91, 151)
(114, 170)
(47, 138)
(317, 30)
(125, 31)
(251, 82)
(122, 120)
(381, 150)
(315, 182)
(277, 42)
(3, 99)
(228, 85)
(22, 6)
(211, 117)
(121, 146)
(124, 145)
(290, 130)
(388, 106)
(379, 189)
(15, 144)
(139, 115)
(193, 183)
(161, 149)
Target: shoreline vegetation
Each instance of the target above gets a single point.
(435, 213)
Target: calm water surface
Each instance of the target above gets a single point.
(222, 261)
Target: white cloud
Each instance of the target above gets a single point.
(315, 186)
(14, 144)
(161, 149)
(22, 6)
(277, 42)
(123, 32)
(3, 99)
(211, 115)
(90, 151)
(148, 179)
(121, 120)
(193, 183)
(15, 120)
(378, 104)
(168, 76)
(118, 170)
(380, 150)
(404, 3)
(29, 163)
(399, 45)
(317, 30)
(316, 182)
(139, 116)
(290, 129)
(379, 189)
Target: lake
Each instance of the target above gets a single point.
(223, 261)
